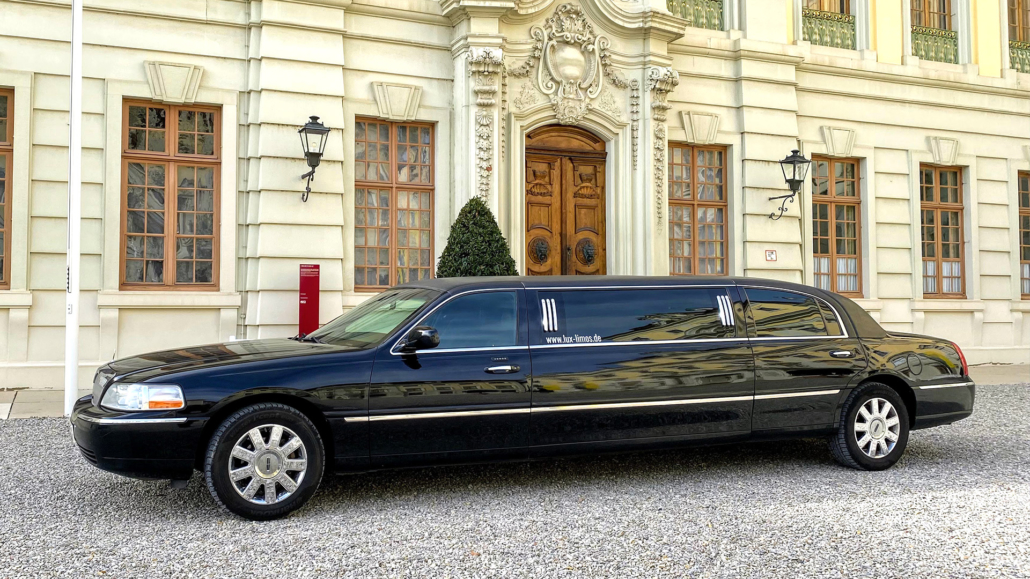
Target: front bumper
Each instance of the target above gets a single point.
(944, 403)
(140, 445)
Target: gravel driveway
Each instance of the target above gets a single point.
(958, 504)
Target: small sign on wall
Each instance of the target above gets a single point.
(309, 283)
(770, 255)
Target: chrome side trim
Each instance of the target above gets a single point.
(133, 420)
(600, 406)
(952, 385)
(681, 402)
(449, 414)
(638, 343)
(452, 350)
(796, 394)
(781, 338)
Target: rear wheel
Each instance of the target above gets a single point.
(873, 430)
(264, 461)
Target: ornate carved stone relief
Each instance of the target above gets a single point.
(571, 64)
(526, 97)
(484, 66)
(660, 81)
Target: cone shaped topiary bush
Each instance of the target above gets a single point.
(475, 246)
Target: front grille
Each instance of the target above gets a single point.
(88, 455)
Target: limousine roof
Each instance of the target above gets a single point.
(861, 323)
(448, 284)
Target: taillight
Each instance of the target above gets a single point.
(961, 356)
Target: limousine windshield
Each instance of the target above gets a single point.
(375, 319)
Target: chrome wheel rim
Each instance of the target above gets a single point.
(877, 428)
(267, 464)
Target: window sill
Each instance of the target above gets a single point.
(1021, 306)
(167, 299)
(15, 299)
(947, 305)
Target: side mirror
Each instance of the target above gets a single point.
(421, 338)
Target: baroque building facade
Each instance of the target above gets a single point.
(618, 137)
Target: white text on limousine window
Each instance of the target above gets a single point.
(573, 339)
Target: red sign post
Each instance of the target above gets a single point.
(309, 282)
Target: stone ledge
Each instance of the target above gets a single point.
(167, 299)
(15, 299)
(947, 305)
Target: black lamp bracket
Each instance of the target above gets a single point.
(310, 176)
(783, 204)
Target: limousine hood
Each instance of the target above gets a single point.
(195, 357)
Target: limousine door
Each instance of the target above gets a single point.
(467, 398)
(625, 365)
(803, 359)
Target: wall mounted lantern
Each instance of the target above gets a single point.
(313, 138)
(794, 168)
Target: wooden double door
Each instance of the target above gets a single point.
(565, 193)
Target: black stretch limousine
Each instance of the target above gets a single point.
(469, 369)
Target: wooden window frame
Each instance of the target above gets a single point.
(832, 6)
(937, 207)
(1019, 27)
(1023, 195)
(924, 14)
(834, 200)
(694, 203)
(171, 160)
(7, 152)
(393, 185)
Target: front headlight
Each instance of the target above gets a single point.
(137, 397)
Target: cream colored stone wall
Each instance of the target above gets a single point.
(270, 64)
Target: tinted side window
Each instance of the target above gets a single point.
(779, 313)
(832, 324)
(591, 316)
(478, 320)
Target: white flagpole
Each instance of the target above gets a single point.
(71, 327)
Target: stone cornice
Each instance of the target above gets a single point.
(459, 10)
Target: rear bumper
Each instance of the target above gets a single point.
(139, 445)
(938, 404)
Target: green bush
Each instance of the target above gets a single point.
(475, 246)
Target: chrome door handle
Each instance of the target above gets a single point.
(842, 353)
(509, 369)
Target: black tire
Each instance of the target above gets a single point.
(845, 444)
(219, 459)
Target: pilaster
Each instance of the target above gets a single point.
(478, 56)
(290, 76)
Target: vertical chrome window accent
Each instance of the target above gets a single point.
(725, 310)
(550, 315)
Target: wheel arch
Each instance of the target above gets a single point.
(907, 394)
(305, 407)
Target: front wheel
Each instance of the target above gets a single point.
(264, 461)
(873, 430)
